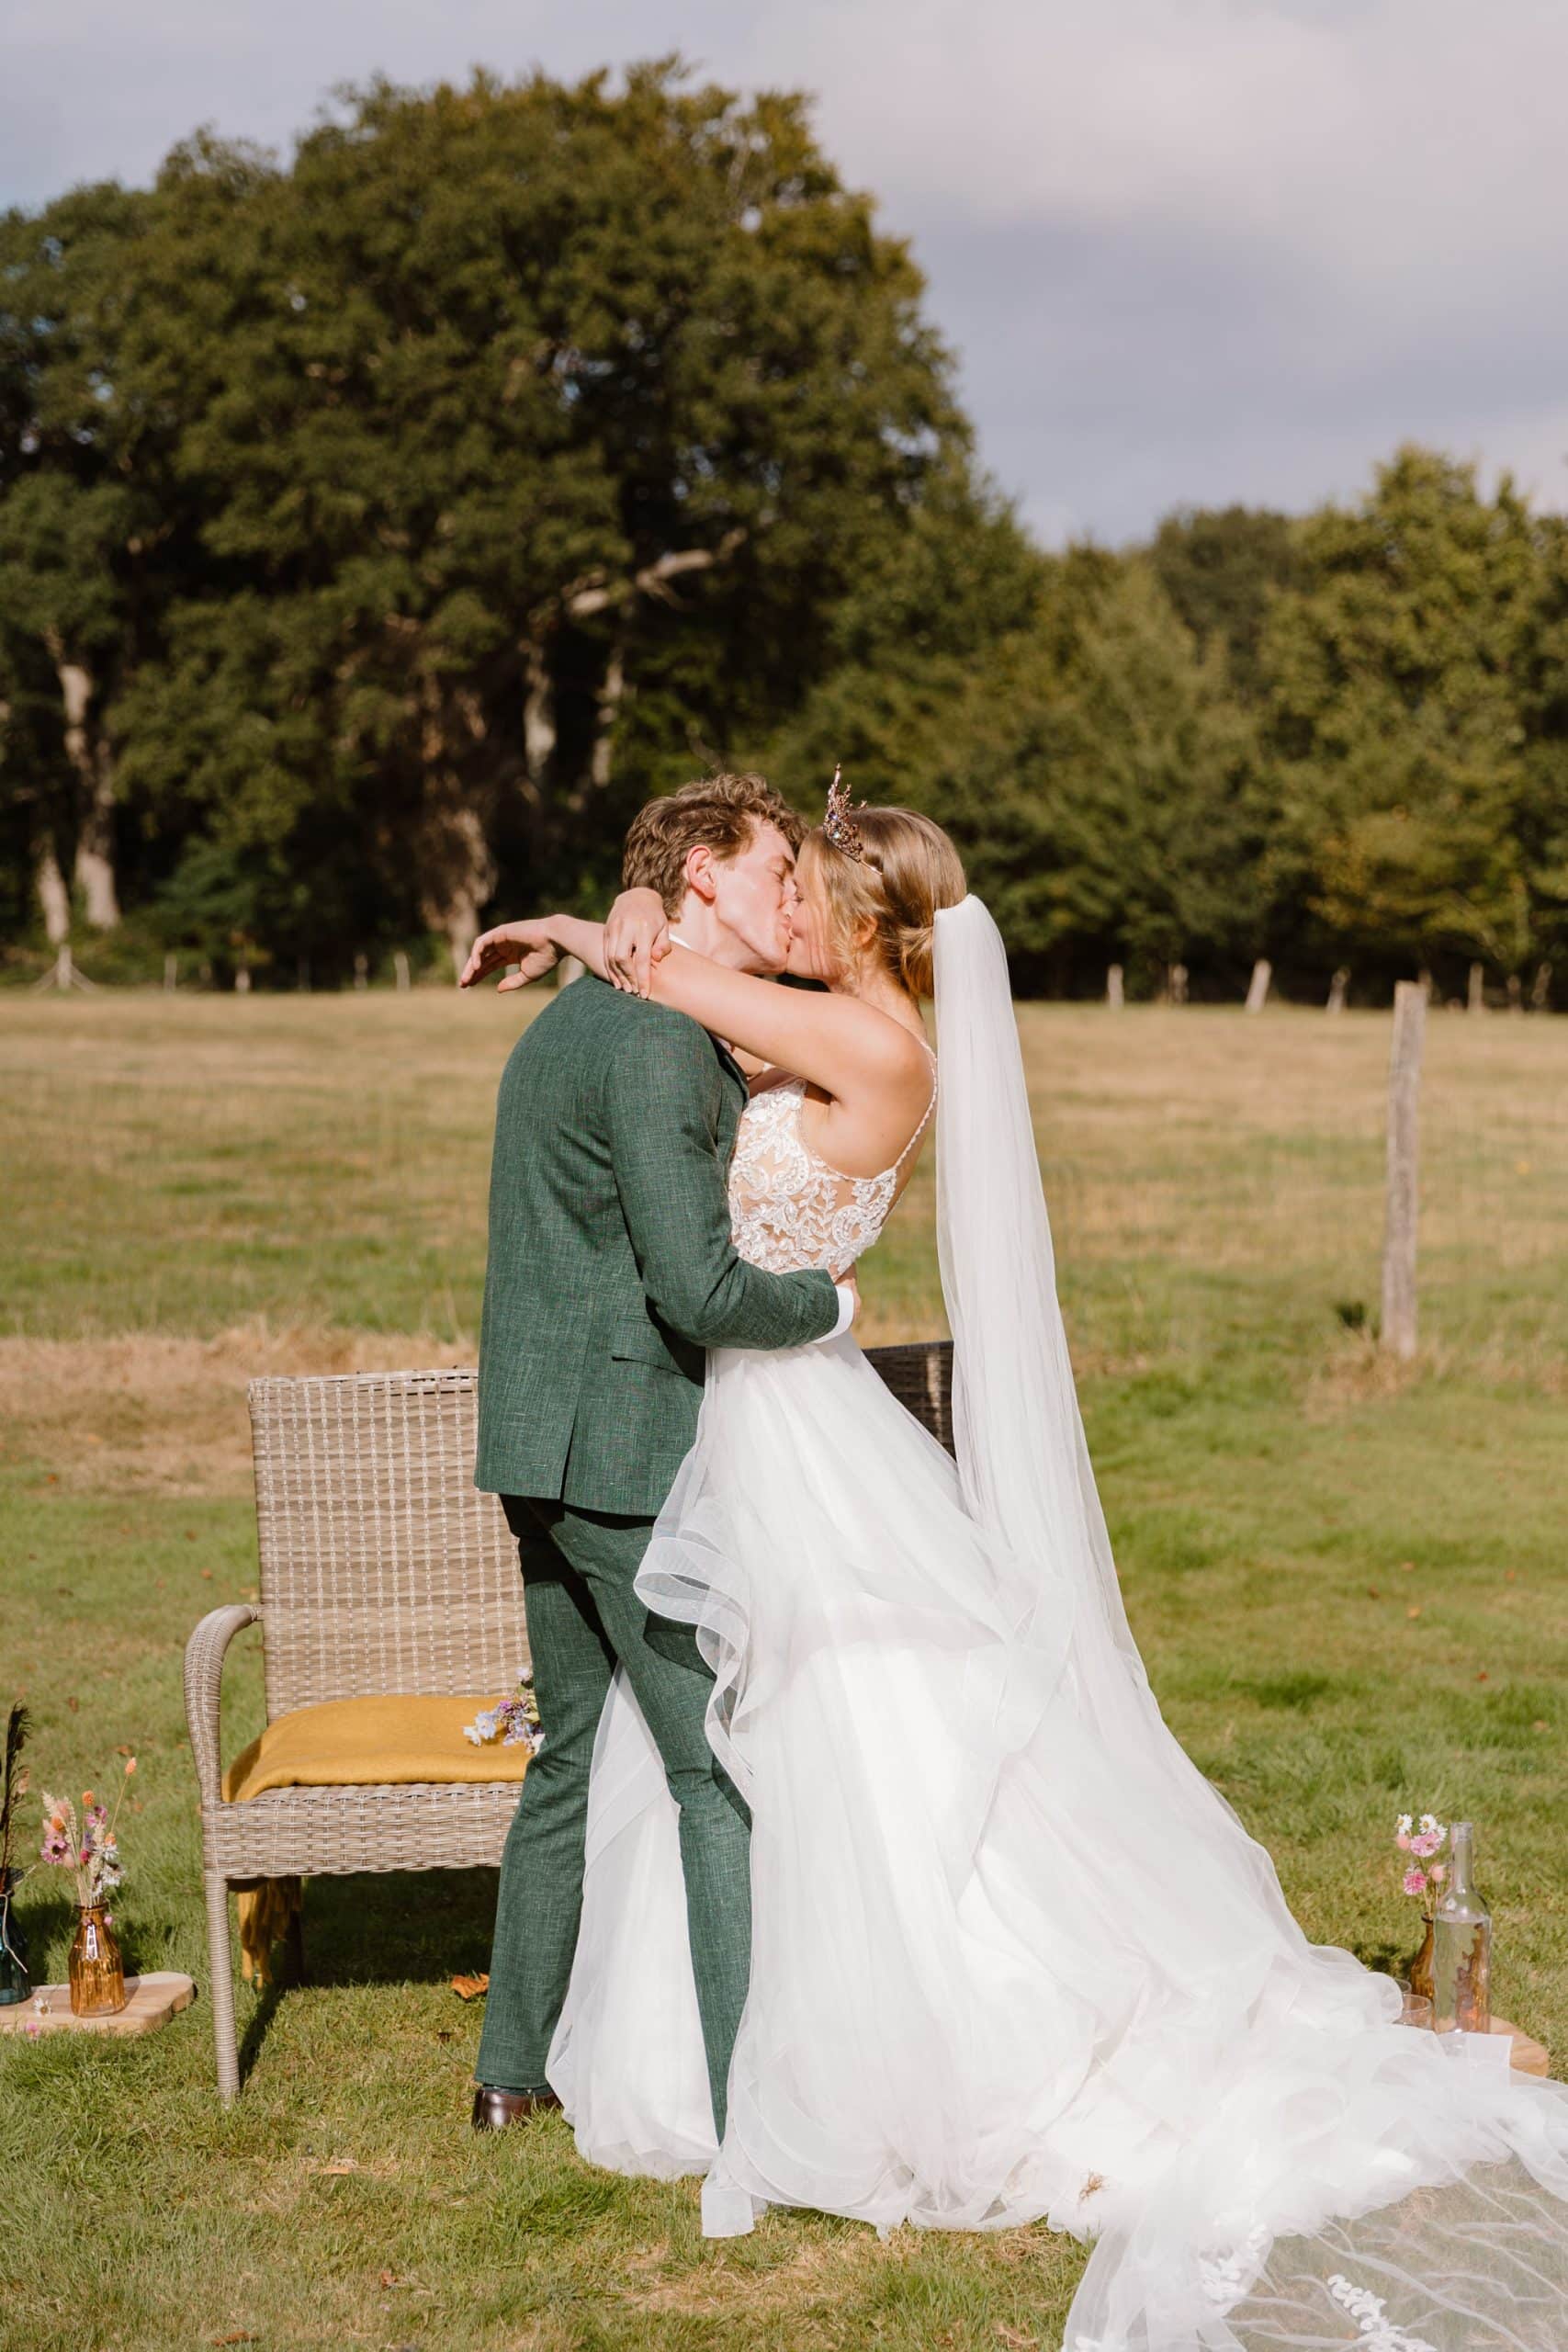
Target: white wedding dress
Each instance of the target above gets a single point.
(1012, 1956)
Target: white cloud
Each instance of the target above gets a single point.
(1190, 249)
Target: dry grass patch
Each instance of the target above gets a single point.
(149, 1414)
(760, 2287)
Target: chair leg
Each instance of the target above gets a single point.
(220, 1970)
(295, 1940)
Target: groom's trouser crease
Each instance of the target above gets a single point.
(583, 1617)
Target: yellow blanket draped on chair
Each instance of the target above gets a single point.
(353, 1743)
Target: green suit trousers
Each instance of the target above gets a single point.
(584, 1618)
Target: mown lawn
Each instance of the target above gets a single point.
(1350, 1587)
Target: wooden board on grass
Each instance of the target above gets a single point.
(151, 2001)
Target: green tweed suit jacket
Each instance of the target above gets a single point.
(611, 1267)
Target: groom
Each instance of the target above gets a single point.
(610, 1270)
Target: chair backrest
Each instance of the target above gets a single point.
(921, 1376)
(382, 1567)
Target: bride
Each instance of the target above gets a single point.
(1013, 1957)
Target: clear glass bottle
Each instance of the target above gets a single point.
(1461, 1946)
(15, 1985)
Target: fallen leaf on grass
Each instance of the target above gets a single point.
(347, 2163)
(240, 2337)
(390, 2278)
(1412, 1611)
(1015, 2338)
(469, 1988)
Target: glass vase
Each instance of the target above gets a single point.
(1461, 1953)
(96, 1971)
(15, 1984)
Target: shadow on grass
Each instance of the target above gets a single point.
(1384, 1959)
(382, 1927)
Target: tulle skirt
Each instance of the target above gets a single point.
(1012, 1957)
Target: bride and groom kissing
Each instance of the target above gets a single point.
(858, 1870)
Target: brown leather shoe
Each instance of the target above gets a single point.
(495, 2109)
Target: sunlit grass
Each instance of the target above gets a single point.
(1349, 1587)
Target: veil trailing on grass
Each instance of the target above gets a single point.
(1271, 2159)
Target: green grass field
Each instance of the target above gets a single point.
(1348, 1583)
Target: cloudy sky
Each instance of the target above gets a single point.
(1188, 251)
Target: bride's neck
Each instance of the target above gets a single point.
(872, 984)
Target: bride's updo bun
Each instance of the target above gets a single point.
(908, 870)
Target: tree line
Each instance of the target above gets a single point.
(379, 529)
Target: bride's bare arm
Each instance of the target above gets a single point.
(845, 1047)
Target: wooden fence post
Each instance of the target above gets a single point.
(362, 971)
(1336, 987)
(567, 970)
(1257, 988)
(1398, 1332)
(1540, 989)
(1177, 983)
(1116, 994)
(1477, 1000)
(170, 972)
(400, 966)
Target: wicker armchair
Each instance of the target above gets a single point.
(382, 1571)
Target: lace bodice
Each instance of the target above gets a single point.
(787, 1207)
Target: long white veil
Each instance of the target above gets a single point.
(1296, 2116)
(1021, 1444)
(1023, 1459)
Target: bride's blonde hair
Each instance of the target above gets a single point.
(908, 871)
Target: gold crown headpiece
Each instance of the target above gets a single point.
(838, 826)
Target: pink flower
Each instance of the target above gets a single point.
(1428, 1842)
(1437, 1873)
(1414, 1882)
(1402, 1841)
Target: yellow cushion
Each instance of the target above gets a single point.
(362, 1742)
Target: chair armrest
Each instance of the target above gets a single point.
(203, 1684)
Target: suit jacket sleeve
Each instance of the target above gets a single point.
(664, 1102)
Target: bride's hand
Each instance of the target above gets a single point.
(527, 944)
(636, 936)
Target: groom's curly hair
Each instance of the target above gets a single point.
(721, 811)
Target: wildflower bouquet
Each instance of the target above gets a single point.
(88, 1848)
(515, 1721)
(1422, 1842)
